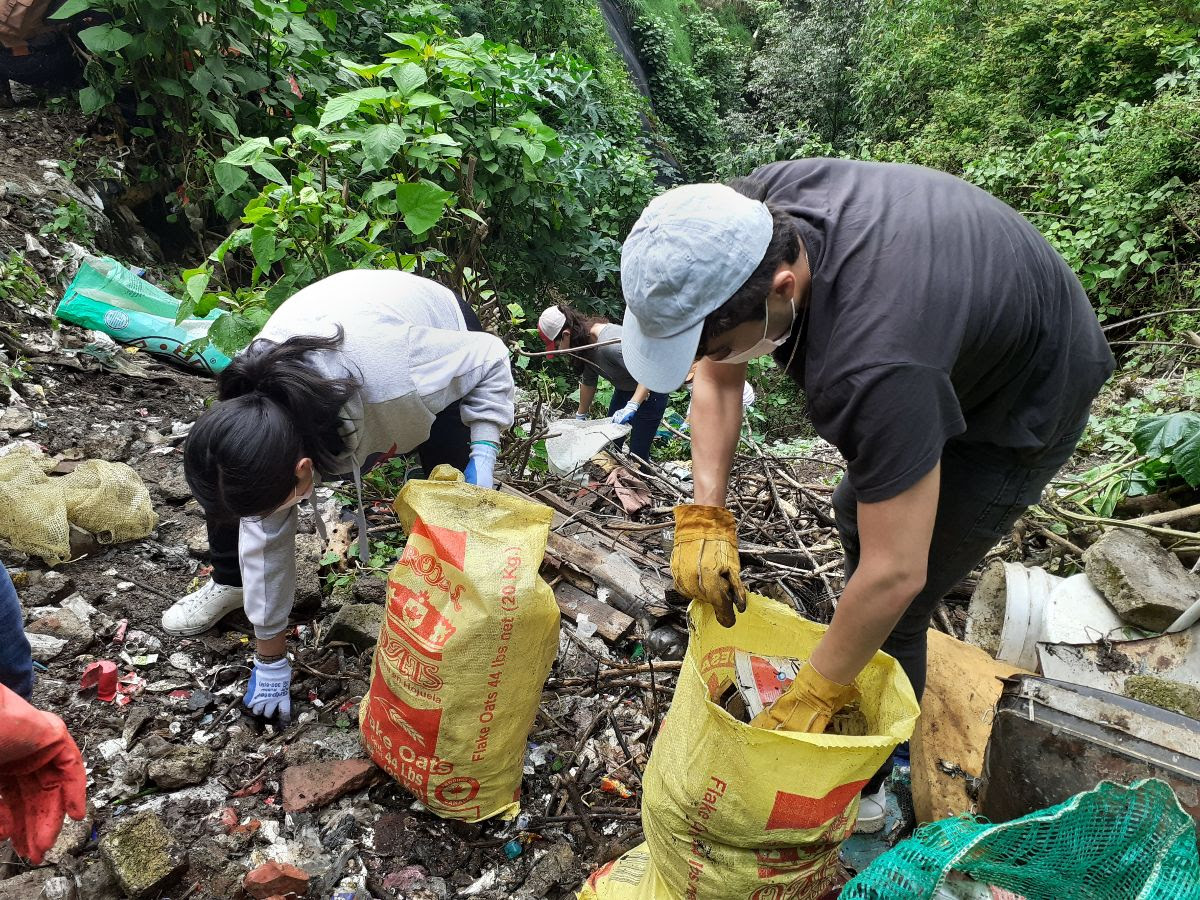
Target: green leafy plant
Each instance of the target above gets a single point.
(1172, 442)
(70, 221)
(410, 164)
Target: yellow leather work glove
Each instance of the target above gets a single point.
(807, 705)
(704, 560)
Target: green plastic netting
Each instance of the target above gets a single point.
(1110, 843)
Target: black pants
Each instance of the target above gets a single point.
(449, 441)
(984, 490)
(645, 421)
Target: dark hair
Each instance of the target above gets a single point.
(579, 327)
(274, 409)
(746, 304)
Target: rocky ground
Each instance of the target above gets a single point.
(188, 794)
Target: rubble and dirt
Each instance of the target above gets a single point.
(1147, 585)
(189, 794)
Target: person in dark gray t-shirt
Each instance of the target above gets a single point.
(945, 348)
(562, 327)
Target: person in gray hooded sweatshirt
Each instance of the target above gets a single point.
(350, 371)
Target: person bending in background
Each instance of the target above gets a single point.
(352, 370)
(562, 327)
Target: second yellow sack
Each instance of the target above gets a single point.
(731, 811)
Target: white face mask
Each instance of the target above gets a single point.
(296, 499)
(765, 345)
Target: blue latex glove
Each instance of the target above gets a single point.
(582, 417)
(625, 415)
(269, 691)
(482, 464)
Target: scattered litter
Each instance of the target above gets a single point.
(102, 675)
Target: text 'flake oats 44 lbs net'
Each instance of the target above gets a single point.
(470, 634)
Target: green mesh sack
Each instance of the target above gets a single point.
(1110, 843)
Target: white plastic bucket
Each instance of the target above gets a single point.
(1036, 607)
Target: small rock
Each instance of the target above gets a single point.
(309, 549)
(197, 542)
(358, 624)
(16, 418)
(182, 767)
(174, 487)
(276, 880)
(27, 885)
(59, 888)
(110, 445)
(319, 784)
(83, 543)
(65, 625)
(370, 589)
(96, 881)
(44, 647)
(143, 855)
(558, 867)
(52, 588)
(1147, 585)
(199, 700)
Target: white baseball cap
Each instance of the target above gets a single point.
(550, 325)
(689, 252)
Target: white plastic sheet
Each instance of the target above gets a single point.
(572, 442)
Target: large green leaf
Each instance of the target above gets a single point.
(262, 244)
(249, 151)
(232, 333)
(269, 171)
(230, 178)
(105, 38)
(70, 8)
(91, 100)
(409, 77)
(340, 107)
(222, 118)
(380, 143)
(354, 227)
(422, 204)
(1156, 435)
(1177, 434)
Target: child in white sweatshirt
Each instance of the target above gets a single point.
(352, 370)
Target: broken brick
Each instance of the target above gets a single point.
(318, 784)
(275, 879)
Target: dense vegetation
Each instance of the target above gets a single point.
(500, 146)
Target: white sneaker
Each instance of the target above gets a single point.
(872, 812)
(201, 609)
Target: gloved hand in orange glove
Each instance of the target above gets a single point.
(807, 705)
(704, 560)
(41, 777)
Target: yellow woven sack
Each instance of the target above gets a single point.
(33, 515)
(109, 500)
(731, 811)
(470, 633)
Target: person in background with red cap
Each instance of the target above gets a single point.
(562, 327)
(41, 777)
